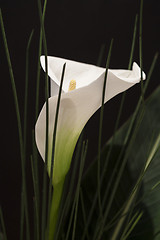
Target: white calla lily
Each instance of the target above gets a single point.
(77, 106)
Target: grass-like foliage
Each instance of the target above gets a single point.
(118, 196)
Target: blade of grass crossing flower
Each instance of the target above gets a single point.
(100, 128)
(24, 194)
(56, 121)
(3, 225)
(123, 95)
(57, 190)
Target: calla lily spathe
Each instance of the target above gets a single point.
(77, 106)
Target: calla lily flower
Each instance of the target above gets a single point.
(81, 97)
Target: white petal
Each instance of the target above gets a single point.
(83, 73)
(133, 75)
(66, 138)
(54, 88)
(76, 108)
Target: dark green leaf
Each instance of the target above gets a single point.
(148, 197)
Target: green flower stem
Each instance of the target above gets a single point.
(54, 211)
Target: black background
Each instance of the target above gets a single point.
(75, 30)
